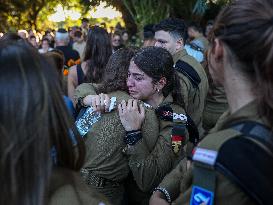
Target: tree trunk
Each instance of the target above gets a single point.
(128, 19)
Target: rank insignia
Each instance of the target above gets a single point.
(176, 143)
(178, 138)
(165, 112)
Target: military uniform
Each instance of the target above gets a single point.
(149, 164)
(216, 104)
(67, 188)
(106, 166)
(149, 160)
(226, 191)
(194, 98)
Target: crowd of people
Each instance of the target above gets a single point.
(185, 119)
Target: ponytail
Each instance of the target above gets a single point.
(246, 27)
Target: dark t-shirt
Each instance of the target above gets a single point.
(69, 54)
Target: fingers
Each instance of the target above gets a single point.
(93, 102)
(101, 102)
(107, 102)
(135, 105)
(142, 111)
(120, 111)
(101, 99)
(132, 105)
(97, 104)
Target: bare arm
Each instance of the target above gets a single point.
(72, 83)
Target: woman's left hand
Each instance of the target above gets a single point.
(131, 115)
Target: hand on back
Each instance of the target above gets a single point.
(131, 114)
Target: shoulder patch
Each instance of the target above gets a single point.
(205, 156)
(165, 112)
(178, 137)
(181, 117)
(200, 196)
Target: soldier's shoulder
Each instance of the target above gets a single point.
(86, 87)
(193, 63)
(177, 108)
(215, 140)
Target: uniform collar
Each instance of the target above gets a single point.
(167, 100)
(180, 54)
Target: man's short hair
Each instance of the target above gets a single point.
(195, 26)
(176, 27)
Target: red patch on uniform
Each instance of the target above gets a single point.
(177, 142)
(167, 113)
(178, 138)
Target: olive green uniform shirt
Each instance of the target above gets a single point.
(226, 191)
(104, 144)
(67, 188)
(149, 160)
(216, 104)
(150, 166)
(194, 99)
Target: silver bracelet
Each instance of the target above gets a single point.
(165, 192)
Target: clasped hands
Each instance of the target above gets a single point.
(131, 113)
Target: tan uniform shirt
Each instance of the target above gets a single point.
(216, 104)
(149, 160)
(67, 188)
(226, 191)
(149, 166)
(104, 144)
(194, 99)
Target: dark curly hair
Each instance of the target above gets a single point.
(116, 71)
(157, 62)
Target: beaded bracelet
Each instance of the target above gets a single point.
(165, 192)
(132, 137)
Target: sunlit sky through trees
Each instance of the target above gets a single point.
(99, 12)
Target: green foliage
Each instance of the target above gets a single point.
(147, 11)
(17, 14)
(32, 14)
(200, 7)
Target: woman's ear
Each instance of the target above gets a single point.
(216, 61)
(218, 50)
(161, 83)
